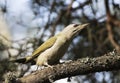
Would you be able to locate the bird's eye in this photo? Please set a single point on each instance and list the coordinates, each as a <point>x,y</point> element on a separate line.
<point>75,25</point>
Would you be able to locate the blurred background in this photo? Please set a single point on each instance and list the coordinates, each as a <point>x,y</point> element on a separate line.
<point>26,24</point>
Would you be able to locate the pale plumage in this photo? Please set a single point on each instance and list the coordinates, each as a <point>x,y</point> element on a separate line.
<point>50,52</point>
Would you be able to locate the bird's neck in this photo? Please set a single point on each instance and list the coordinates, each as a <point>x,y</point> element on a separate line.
<point>67,36</point>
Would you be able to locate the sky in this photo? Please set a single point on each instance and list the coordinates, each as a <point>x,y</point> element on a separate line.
<point>21,18</point>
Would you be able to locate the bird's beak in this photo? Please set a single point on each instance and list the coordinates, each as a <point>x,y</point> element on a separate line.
<point>86,24</point>
<point>83,26</point>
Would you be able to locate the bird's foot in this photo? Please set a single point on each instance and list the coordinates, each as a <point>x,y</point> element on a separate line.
<point>47,65</point>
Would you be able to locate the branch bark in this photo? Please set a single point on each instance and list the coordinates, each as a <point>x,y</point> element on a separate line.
<point>107,62</point>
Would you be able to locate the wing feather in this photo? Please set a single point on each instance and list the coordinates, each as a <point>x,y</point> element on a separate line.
<point>49,43</point>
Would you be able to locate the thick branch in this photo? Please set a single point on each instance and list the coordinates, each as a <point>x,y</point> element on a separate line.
<point>108,62</point>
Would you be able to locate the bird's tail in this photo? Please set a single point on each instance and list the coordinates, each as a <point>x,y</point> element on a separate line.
<point>24,60</point>
<point>21,60</point>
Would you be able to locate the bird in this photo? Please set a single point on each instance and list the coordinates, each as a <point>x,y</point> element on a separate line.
<point>53,49</point>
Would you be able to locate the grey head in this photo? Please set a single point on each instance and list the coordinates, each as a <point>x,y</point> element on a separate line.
<point>71,30</point>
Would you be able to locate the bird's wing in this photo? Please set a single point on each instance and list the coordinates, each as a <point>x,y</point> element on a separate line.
<point>49,43</point>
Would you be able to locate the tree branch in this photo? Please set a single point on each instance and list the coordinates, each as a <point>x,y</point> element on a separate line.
<point>110,18</point>
<point>109,28</point>
<point>108,62</point>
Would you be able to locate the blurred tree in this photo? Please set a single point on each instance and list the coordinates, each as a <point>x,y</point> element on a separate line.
<point>44,18</point>
<point>5,43</point>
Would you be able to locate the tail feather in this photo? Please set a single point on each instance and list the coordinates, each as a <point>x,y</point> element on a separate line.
<point>21,60</point>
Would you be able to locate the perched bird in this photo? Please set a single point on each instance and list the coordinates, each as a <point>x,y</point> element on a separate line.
<point>51,51</point>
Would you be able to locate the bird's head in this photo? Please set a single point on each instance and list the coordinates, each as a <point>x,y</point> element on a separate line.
<point>71,30</point>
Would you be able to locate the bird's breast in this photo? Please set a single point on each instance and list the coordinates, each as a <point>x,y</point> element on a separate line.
<point>58,49</point>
